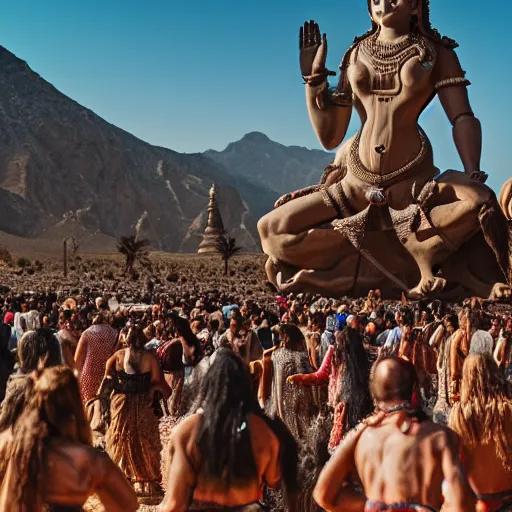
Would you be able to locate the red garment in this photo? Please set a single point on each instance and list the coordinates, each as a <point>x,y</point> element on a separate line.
<point>321,376</point>
<point>375,506</point>
<point>327,374</point>
<point>99,343</point>
<point>494,502</point>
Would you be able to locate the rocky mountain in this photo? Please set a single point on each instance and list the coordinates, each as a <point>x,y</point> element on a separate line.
<point>65,170</point>
<point>270,164</point>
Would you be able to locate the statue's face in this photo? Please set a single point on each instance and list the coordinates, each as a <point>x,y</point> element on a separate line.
<point>391,13</point>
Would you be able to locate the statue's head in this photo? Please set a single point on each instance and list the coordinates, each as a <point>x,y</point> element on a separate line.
<point>391,13</point>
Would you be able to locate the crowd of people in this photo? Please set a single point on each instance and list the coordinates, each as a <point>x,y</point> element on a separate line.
<point>273,403</point>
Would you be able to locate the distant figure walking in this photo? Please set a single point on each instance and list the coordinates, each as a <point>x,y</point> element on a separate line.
<point>96,345</point>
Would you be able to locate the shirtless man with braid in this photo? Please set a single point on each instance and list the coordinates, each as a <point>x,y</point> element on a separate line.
<point>403,461</point>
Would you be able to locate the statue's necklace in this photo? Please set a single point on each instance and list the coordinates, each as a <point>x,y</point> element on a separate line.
<point>387,60</point>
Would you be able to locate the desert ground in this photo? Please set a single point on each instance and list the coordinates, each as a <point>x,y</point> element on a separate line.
<point>100,273</point>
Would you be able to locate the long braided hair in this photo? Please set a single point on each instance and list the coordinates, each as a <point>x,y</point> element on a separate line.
<point>53,408</point>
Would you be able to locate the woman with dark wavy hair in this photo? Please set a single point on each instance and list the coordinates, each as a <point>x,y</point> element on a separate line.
<point>224,455</point>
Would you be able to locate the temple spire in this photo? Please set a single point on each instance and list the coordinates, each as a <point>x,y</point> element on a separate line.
<point>214,228</point>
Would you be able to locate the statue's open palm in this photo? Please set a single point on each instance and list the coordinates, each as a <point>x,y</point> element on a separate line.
<point>313,49</point>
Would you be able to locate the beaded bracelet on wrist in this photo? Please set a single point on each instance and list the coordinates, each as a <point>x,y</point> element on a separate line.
<point>318,78</point>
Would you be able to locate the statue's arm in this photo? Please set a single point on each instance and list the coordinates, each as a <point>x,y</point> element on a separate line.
<point>451,86</point>
<point>330,121</point>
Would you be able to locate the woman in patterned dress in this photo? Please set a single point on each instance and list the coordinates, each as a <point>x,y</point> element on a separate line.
<point>294,405</point>
<point>96,345</point>
<point>133,439</point>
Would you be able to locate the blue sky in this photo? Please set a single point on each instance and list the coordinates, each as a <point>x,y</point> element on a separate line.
<point>197,74</point>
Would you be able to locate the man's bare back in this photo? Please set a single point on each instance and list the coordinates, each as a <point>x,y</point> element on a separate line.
<point>402,462</point>
<point>410,467</point>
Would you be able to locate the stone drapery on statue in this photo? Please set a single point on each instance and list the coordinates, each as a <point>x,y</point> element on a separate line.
<point>384,216</point>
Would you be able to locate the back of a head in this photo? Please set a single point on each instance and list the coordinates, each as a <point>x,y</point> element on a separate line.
<point>59,399</point>
<point>183,327</point>
<point>52,409</point>
<point>38,346</point>
<point>98,319</point>
<point>293,337</point>
<point>136,338</point>
<point>392,379</point>
<point>224,441</point>
<point>481,378</point>
<point>227,384</point>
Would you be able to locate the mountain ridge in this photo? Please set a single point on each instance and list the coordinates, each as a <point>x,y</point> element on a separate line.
<point>264,161</point>
<point>61,160</point>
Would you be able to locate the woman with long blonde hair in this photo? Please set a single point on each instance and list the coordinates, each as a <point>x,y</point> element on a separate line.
<point>483,419</point>
<point>46,458</point>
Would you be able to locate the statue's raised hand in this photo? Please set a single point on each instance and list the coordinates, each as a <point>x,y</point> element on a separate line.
<point>313,49</point>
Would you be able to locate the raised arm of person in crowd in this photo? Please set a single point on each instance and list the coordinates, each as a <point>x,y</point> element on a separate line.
<point>318,378</point>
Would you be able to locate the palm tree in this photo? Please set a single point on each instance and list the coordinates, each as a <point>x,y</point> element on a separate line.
<point>226,247</point>
<point>134,250</point>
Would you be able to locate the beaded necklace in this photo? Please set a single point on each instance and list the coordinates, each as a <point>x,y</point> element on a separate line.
<point>387,60</point>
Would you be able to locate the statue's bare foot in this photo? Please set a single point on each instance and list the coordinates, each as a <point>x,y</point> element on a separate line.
<point>426,286</point>
<point>501,291</point>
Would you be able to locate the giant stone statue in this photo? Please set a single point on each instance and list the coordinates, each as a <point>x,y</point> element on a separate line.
<point>384,216</point>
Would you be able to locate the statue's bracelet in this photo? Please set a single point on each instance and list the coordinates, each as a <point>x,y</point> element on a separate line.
<point>314,81</point>
<point>479,176</point>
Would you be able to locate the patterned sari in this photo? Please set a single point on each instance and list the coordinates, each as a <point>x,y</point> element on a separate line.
<point>133,439</point>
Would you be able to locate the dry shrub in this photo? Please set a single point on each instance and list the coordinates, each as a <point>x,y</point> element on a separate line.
<point>5,255</point>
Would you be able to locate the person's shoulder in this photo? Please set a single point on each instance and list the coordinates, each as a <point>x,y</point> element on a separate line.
<point>186,428</point>
<point>82,455</point>
<point>149,357</point>
<point>261,429</point>
<point>119,354</point>
<point>441,435</point>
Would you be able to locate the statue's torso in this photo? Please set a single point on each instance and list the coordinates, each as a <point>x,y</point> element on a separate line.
<point>390,119</point>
